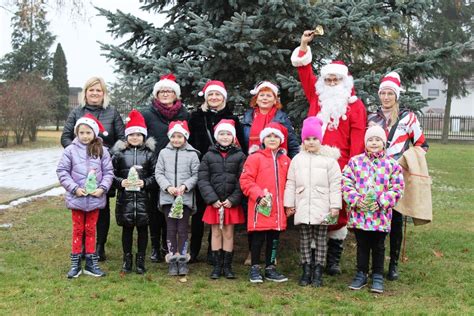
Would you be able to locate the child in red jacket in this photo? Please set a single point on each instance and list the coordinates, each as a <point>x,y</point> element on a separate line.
<point>263,181</point>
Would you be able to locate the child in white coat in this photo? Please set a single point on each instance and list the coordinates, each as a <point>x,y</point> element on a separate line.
<point>313,195</point>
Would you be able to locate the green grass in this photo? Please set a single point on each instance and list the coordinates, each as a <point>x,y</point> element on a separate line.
<point>45,139</point>
<point>437,277</point>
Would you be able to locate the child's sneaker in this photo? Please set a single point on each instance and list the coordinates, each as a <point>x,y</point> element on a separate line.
<point>173,269</point>
<point>76,268</point>
<point>255,276</point>
<point>92,266</point>
<point>272,274</point>
<point>377,283</point>
<point>359,281</point>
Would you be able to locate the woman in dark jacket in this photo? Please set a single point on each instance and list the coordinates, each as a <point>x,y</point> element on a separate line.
<point>201,125</point>
<point>133,206</point>
<point>94,99</point>
<point>166,106</point>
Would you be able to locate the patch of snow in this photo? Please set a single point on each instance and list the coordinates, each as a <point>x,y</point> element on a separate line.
<point>53,192</point>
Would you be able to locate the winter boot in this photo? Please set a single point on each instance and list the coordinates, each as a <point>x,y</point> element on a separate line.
<point>317,276</point>
<point>92,266</point>
<point>127,263</point>
<point>76,268</point>
<point>155,255</point>
<point>392,274</point>
<point>334,256</point>
<point>216,264</point>
<point>140,263</point>
<point>173,268</point>
<point>306,276</point>
<point>359,281</point>
<point>396,238</point>
<point>100,252</point>
<point>227,270</point>
<point>183,268</point>
<point>271,274</point>
<point>377,283</point>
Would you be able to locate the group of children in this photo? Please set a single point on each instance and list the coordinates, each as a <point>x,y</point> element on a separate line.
<point>311,187</point>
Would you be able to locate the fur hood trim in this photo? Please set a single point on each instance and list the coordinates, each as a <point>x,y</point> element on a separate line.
<point>326,151</point>
<point>121,145</point>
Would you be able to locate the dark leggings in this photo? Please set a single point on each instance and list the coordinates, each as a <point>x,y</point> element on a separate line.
<point>273,238</point>
<point>367,242</point>
<point>396,236</point>
<point>177,230</point>
<point>103,223</point>
<point>197,226</point>
<point>157,226</point>
<point>127,239</point>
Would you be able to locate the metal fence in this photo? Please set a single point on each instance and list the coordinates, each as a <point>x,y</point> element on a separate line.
<point>460,127</point>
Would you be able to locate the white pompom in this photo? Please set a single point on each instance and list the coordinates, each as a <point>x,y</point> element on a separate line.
<point>105,133</point>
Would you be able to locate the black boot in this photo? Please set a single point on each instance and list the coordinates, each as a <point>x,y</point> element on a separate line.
<point>76,268</point>
<point>100,252</point>
<point>155,255</point>
<point>392,274</point>
<point>216,264</point>
<point>334,256</point>
<point>306,276</point>
<point>127,263</point>
<point>92,266</point>
<point>227,268</point>
<point>317,276</point>
<point>140,263</point>
<point>396,237</point>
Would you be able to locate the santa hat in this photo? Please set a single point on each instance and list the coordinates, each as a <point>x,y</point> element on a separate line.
<point>213,85</point>
<point>91,121</point>
<point>178,127</point>
<point>377,131</point>
<point>273,128</point>
<point>391,81</point>
<point>264,84</point>
<point>167,81</point>
<point>336,67</point>
<point>135,123</point>
<point>225,125</point>
<point>312,127</point>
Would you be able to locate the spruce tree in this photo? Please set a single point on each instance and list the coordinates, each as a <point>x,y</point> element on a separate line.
<point>61,86</point>
<point>30,41</point>
<point>242,42</point>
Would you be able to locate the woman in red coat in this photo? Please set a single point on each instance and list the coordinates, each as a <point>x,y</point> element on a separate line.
<point>263,181</point>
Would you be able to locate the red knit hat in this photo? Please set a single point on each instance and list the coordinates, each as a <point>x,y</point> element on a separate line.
<point>213,85</point>
<point>135,123</point>
<point>91,121</point>
<point>391,81</point>
<point>178,127</point>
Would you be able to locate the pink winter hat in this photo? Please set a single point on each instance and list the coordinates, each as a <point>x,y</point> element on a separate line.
<point>312,127</point>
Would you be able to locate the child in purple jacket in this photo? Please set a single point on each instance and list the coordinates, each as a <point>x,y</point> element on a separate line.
<point>86,172</point>
<point>372,183</point>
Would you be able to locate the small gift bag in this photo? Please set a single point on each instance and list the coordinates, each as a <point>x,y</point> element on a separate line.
<point>267,209</point>
<point>91,182</point>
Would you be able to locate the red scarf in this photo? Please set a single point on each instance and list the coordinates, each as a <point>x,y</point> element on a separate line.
<point>259,122</point>
<point>168,112</point>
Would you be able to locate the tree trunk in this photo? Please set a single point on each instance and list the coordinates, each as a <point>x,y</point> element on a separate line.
<point>57,123</point>
<point>32,133</point>
<point>447,112</point>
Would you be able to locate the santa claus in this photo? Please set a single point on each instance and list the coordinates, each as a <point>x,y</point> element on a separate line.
<point>332,98</point>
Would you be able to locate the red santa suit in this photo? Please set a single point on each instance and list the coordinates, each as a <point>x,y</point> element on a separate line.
<point>348,134</point>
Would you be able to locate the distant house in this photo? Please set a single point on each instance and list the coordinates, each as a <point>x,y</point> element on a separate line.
<point>435,89</point>
<point>74,96</point>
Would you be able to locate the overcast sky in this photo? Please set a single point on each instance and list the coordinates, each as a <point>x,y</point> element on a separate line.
<point>79,38</point>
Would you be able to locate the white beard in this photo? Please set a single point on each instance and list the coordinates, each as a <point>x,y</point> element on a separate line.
<point>333,102</point>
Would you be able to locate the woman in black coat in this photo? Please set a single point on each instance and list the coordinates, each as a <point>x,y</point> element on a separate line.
<point>94,99</point>
<point>166,107</point>
<point>201,126</point>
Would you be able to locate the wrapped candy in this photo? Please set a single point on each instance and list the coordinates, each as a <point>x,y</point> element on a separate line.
<point>267,209</point>
<point>221,217</point>
<point>371,196</point>
<point>177,208</point>
<point>91,182</point>
<point>133,179</point>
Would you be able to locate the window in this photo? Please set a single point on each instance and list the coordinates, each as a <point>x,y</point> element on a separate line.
<point>433,92</point>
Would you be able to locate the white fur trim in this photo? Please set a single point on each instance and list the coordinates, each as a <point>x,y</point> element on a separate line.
<point>265,84</point>
<point>135,129</point>
<point>215,88</point>
<point>166,83</point>
<point>392,86</point>
<point>352,99</point>
<point>334,69</point>
<point>178,129</point>
<point>339,234</point>
<point>253,149</point>
<point>304,60</point>
<point>89,122</point>
<point>269,130</point>
<point>328,151</point>
<point>224,127</point>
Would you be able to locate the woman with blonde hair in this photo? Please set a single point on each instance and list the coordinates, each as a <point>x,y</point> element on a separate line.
<point>94,99</point>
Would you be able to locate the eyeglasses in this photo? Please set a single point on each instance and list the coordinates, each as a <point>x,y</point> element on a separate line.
<point>331,81</point>
<point>166,92</point>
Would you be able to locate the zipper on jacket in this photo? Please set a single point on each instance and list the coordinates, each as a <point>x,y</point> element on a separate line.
<point>277,188</point>
<point>135,193</point>
<point>310,188</point>
<point>176,168</point>
<point>88,195</point>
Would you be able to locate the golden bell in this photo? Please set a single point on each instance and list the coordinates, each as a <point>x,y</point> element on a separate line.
<point>318,30</point>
